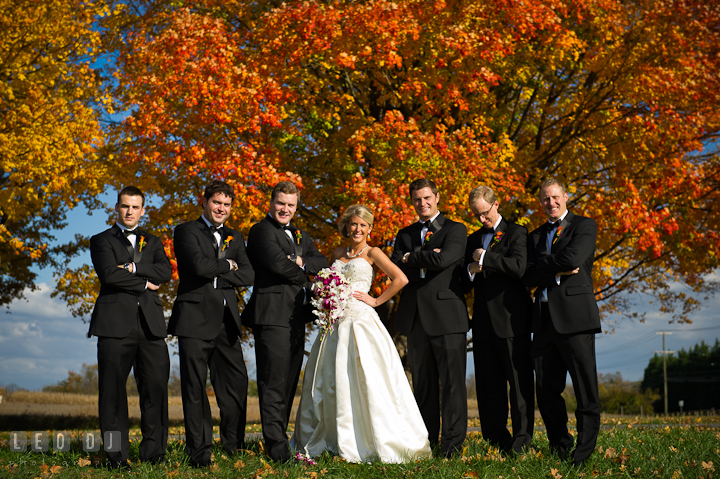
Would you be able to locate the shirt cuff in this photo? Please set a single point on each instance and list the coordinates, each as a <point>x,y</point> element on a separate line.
<point>134,269</point>
<point>470,275</point>
<point>482,257</point>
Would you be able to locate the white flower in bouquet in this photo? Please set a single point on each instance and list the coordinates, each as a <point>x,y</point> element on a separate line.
<point>331,292</point>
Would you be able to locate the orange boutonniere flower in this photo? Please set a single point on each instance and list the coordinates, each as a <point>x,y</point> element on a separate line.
<point>496,239</point>
<point>428,235</point>
<point>226,243</point>
<point>141,244</point>
<point>558,234</point>
<point>298,236</point>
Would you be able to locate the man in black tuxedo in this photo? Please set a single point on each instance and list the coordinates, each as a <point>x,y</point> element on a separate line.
<point>496,258</point>
<point>433,315</point>
<point>565,320</point>
<point>211,263</point>
<point>129,323</point>
<point>282,256</point>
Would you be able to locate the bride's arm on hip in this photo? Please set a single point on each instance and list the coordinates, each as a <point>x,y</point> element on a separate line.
<point>399,280</point>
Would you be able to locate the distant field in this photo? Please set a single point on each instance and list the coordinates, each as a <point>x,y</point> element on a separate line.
<point>50,410</point>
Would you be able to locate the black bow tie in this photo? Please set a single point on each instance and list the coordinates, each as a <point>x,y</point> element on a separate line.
<point>216,229</point>
<point>427,224</point>
<point>129,232</point>
<point>487,231</point>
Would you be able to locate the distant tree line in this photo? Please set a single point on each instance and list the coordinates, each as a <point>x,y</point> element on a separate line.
<point>693,377</point>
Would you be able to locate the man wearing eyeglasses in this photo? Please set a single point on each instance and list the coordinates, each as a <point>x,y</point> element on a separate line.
<point>495,258</point>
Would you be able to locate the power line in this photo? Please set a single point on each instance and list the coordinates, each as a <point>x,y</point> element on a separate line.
<point>635,342</point>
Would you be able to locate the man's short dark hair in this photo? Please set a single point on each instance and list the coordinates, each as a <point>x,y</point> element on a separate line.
<point>423,183</point>
<point>217,186</point>
<point>285,187</point>
<point>131,191</point>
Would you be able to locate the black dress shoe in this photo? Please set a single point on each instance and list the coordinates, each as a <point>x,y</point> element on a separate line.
<point>122,465</point>
<point>159,459</point>
<point>200,464</point>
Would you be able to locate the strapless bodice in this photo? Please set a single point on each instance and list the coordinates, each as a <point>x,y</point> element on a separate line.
<point>358,273</point>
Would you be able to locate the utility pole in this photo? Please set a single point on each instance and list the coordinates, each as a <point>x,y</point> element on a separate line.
<point>665,352</point>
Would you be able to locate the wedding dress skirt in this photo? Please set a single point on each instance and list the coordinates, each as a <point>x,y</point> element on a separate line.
<point>356,400</point>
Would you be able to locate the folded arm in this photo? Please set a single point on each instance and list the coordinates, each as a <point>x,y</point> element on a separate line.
<point>105,264</point>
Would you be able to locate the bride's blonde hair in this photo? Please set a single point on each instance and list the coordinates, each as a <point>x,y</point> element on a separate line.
<point>361,211</point>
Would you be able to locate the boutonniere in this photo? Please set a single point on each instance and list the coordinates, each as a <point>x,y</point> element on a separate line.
<point>226,243</point>
<point>428,235</point>
<point>298,236</point>
<point>141,244</point>
<point>558,234</point>
<point>496,239</point>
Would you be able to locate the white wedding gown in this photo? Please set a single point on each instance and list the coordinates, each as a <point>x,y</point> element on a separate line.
<point>356,400</point>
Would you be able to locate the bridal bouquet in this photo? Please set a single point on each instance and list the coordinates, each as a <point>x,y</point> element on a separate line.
<point>331,295</point>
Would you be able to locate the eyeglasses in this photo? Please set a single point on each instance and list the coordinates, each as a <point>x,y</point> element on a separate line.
<point>484,214</point>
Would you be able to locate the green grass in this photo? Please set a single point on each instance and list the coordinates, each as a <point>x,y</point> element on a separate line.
<point>675,451</point>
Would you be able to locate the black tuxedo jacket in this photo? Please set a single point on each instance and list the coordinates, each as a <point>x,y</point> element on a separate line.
<point>122,292</point>
<point>502,303</point>
<point>438,299</point>
<point>278,290</point>
<point>199,306</point>
<point>572,304</point>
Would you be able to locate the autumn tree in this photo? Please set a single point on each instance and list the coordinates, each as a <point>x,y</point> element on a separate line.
<point>354,100</point>
<point>50,129</point>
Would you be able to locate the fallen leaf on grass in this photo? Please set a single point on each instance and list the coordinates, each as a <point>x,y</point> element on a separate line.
<point>82,462</point>
<point>708,466</point>
<point>470,474</point>
<point>673,448</point>
<point>555,473</point>
<point>239,464</point>
<point>610,453</point>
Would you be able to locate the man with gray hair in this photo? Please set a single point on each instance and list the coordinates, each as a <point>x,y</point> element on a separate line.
<point>495,259</point>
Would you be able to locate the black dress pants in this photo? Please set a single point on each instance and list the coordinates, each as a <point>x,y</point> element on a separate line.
<point>279,352</point>
<point>555,355</point>
<point>148,356</point>
<point>438,365</point>
<point>499,362</point>
<point>228,375</point>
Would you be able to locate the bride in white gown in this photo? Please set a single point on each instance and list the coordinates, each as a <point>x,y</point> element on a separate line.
<point>356,400</point>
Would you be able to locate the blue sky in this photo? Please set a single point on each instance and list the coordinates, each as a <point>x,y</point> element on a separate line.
<point>40,341</point>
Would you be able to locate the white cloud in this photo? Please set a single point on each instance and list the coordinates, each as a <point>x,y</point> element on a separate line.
<point>40,341</point>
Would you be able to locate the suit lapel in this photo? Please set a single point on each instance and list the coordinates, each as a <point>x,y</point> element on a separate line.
<point>296,240</point>
<point>124,241</point>
<point>415,240</point>
<point>435,227</point>
<point>562,232</point>
<point>140,244</point>
<point>222,249</point>
<point>542,243</point>
<point>282,235</point>
<point>497,237</point>
<point>205,230</point>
